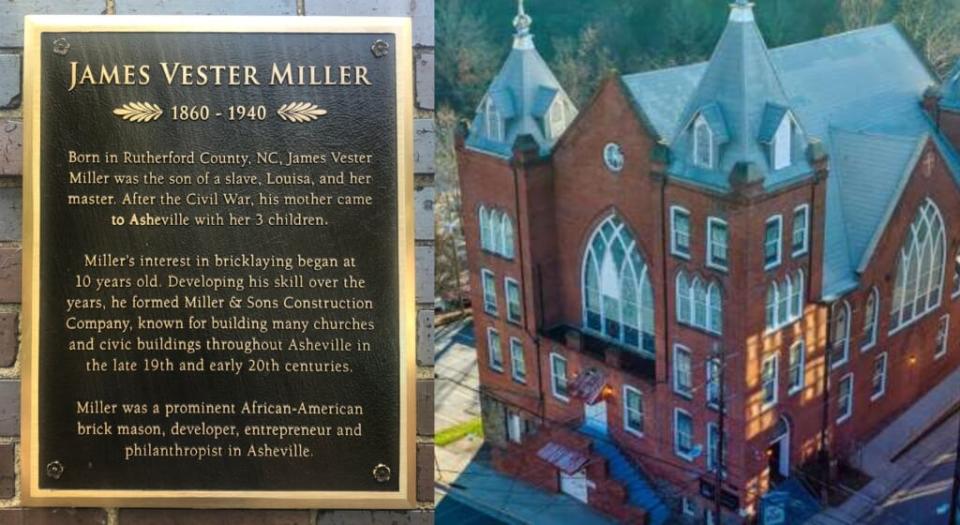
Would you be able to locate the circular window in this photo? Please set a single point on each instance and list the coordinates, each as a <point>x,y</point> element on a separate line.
<point>613,156</point>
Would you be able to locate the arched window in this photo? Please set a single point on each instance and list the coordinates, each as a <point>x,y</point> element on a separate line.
<point>840,326</point>
<point>702,143</point>
<point>784,303</point>
<point>699,293</point>
<point>714,309</point>
<point>484,228</point>
<point>507,237</point>
<point>683,298</point>
<point>920,272</point>
<point>617,294</point>
<point>796,295</point>
<point>870,316</point>
<point>493,122</point>
<point>771,306</point>
<point>496,231</point>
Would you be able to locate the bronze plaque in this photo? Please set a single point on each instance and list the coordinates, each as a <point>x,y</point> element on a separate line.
<point>218,283</point>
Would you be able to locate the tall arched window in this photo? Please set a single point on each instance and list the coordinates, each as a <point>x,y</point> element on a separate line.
<point>699,293</point>
<point>714,309</point>
<point>702,143</point>
<point>507,237</point>
<point>683,298</point>
<point>496,231</point>
<point>920,271</point>
<point>840,326</point>
<point>870,319</point>
<point>484,228</point>
<point>617,295</point>
<point>699,303</point>
<point>493,122</point>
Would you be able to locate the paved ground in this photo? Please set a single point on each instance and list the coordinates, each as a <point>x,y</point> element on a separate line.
<point>453,511</point>
<point>456,371</point>
<point>927,499</point>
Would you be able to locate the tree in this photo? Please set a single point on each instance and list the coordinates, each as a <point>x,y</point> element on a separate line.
<point>450,257</point>
<point>581,64</point>
<point>467,60</point>
<point>934,26</point>
<point>855,14</point>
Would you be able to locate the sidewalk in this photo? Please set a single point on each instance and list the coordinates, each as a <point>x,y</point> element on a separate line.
<point>889,477</point>
<point>505,498</point>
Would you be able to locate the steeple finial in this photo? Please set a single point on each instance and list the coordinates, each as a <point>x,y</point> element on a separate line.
<point>741,11</point>
<point>522,39</point>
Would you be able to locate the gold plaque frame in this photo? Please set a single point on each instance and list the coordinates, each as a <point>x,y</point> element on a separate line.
<point>31,493</point>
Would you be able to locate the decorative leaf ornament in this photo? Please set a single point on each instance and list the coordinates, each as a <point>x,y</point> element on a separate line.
<point>139,112</point>
<point>300,112</point>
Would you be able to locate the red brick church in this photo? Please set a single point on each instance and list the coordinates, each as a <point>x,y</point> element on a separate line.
<point>764,242</point>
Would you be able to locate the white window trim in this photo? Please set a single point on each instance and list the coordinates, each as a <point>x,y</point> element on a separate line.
<point>490,332</point>
<point>553,382</point>
<point>846,343</point>
<point>776,143</point>
<point>875,328</point>
<point>673,229</point>
<point>676,387</point>
<point>709,379</point>
<point>513,416</point>
<point>697,123</point>
<point>513,361</point>
<point>843,417</point>
<point>942,351</point>
<point>689,508</point>
<point>626,427</point>
<point>776,382</point>
<point>713,427</point>
<point>942,277</point>
<point>507,281</point>
<point>806,231</point>
<point>794,389</point>
<point>773,264</point>
<point>710,263</point>
<point>487,307</point>
<point>558,106</point>
<point>886,373</point>
<point>676,428</point>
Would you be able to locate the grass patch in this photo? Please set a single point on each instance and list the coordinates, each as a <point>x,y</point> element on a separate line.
<point>458,432</point>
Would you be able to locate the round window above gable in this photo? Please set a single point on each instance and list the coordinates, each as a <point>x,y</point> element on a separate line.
<point>613,157</point>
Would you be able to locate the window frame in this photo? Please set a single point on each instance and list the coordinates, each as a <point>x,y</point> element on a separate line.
<point>847,378</point>
<point>846,341</point>
<point>627,390</point>
<point>698,123</point>
<point>883,377</point>
<point>613,167</point>
<point>674,211</point>
<point>801,365</point>
<point>556,126</point>
<point>507,282</point>
<point>515,343</point>
<point>899,303</point>
<point>488,307</point>
<point>767,405</point>
<point>688,456</point>
<point>492,115</point>
<point>553,377</point>
<point>778,145</point>
<point>806,231</point>
<point>511,417</point>
<point>491,333</point>
<point>709,365</point>
<point>725,266</point>
<point>681,349</point>
<point>871,326</point>
<point>942,345</point>
<point>778,219</point>
<point>712,462</point>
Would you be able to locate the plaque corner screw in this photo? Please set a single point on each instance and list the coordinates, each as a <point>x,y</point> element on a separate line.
<point>55,469</point>
<point>381,473</point>
<point>61,46</point>
<point>380,49</point>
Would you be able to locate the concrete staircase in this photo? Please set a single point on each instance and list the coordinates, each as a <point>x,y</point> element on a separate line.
<point>640,491</point>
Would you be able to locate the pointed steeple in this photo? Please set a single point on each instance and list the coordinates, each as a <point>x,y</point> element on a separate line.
<point>738,110</point>
<point>523,99</point>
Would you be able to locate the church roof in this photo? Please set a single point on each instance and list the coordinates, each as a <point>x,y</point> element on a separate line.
<point>523,92</point>
<point>859,93</point>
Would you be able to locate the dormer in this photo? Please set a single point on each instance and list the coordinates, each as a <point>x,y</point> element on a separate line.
<point>779,131</point>
<point>553,110</point>
<point>708,132</point>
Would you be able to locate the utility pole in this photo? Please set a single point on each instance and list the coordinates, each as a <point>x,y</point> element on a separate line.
<point>718,350</point>
<point>825,416</point>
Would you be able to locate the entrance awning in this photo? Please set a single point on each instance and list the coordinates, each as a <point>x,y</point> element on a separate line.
<point>569,461</point>
<point>588,386</point>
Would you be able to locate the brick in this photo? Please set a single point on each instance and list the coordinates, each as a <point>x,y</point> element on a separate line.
<point>11,216</point>
<point>424,144</point>
<point>420,10</point>
<point>425,407</point>
<point>371,517</point>
<point>425,347</point>
<point>9,408</point>
<point>53,516</point>
<point>424,264</point>
<point>425,463</point>
<point>8,339</point>
<point>8,470</point>
<point>11,147</point>
<point>213,517</point>
<point>423,199</point>
<point>9,275</point>
<point>12,13</point>
<point>192,7</point>
<point>425,79</point>
<point>9,80</point>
